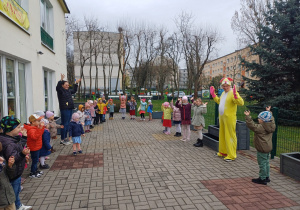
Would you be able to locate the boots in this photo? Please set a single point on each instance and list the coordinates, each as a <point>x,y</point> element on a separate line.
<point>179,134</point>
<point>199,143</point>
<point>176,134</point>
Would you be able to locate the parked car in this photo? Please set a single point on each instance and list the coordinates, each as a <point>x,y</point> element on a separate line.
<point>199,94</point>
<point>154,93</point>
<point>181,94</point>
<point>117,92</point>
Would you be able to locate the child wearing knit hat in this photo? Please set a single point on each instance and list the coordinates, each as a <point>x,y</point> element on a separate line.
<point>53,129</point>
<point>75,133</point>
<point>143,108</point>
<point>149,109</point>
<point>185,109</point>
<point>263,133</point>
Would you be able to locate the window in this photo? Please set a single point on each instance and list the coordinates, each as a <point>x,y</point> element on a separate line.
<point>228,60</point>
<point>48,86</point>
<point>47,23</point>
<point>10,82</point>
<point>22,92</point>
<point>23,4</point>
<point>253,61</point>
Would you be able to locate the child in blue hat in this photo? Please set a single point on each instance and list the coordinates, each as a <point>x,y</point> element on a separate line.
<point>263,132</point>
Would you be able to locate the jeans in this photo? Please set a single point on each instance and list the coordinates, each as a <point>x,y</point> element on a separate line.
<point>16,184</point>
<point>35,159</point>
<point>264,165</point>
<point>66,115</point>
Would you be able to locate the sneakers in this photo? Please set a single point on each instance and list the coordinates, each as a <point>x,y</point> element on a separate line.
<point>80,151</point>
<point>66,143</point>
<point>176,134</point>
<point>267,179</point>
<point>34,175</point>
<point>46,166</point>
<point>228,160</point>
<point>91,127</point>
<point>260,181</point>
<point>167,133</point>
<point>23,207</point>
<point>40,172</point>
<point>75,153</point>
<point>183,139</point>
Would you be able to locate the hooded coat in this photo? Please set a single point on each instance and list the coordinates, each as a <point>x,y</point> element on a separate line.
<point>13,146</point>
<point>262,134</point>
<point>34,137</point>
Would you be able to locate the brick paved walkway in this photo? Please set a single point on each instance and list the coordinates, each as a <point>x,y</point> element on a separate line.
<point>131,165</point>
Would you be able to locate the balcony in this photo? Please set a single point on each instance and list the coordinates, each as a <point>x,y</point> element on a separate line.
<point>46,39</point>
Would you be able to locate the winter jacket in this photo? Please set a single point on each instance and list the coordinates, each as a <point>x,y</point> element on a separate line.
<point>123,102</point>
<point>262,134</point>
<point>185,110</point>
<point>46,144</point>
<point>198,118</point>
<point>101,107</point>
<point>65,96</point>
<point>92,108</point>
<point>81,116</point>
<point>34,137</point>
<point>111,108</point>
<point>13,146</point>
<point>7,194</point>
<point>75,129</point>
<point>53,128</point>
<point>176,113</point>
<point>88,116</point>
<point>143,106</point>
<point>167,112</point>
<point>132,105</point>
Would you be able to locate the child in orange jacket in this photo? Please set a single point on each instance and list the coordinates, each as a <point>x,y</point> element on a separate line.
<point>35,132</point>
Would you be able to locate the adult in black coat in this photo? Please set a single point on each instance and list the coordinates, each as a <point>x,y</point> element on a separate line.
<point>66,105</point>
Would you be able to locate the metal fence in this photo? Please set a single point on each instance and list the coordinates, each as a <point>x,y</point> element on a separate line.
<point>286,138</point>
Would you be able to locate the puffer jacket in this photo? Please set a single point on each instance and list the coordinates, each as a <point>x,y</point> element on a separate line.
<point>34,137</point>
<point>123,100</point>
<point>65,96</point>
<point>262,134</point>
<point>185,110</point>
<point>46,144</point>
<point>75,129</point>
<point>167,112</point>
<point>13,146</point>
<point>198,118</point>
<point>7,194</point>
<point>101,106</point>
<point>53,128</point>
<point>176,113</point>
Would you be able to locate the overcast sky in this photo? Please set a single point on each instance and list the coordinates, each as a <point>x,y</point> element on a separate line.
<point>216,13</point>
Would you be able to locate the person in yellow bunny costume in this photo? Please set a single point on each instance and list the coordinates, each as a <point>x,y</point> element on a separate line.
<point>228,103</point>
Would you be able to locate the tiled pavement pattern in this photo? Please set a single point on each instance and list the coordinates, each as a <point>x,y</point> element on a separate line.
<point>140,171</point>
<point>240,193</point>
<point>91,160</point>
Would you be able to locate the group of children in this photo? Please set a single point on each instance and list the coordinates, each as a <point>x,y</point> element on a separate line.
<point>182,117</point>
<point>16,143</point>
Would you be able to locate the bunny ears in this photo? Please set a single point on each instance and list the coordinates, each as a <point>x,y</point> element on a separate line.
<point>226,81</point>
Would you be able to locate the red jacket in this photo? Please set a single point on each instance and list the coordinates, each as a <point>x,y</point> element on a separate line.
<point>34,137</point>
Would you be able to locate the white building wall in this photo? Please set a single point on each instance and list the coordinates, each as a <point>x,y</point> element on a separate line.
<point>17,43</point>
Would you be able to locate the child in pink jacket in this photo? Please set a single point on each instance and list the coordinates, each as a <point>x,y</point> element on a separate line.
<point>176,119</point>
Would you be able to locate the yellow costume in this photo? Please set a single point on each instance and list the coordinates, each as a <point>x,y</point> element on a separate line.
<point>227,119</point>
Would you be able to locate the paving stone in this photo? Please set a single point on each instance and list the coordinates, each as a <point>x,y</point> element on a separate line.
<point>130,164</point>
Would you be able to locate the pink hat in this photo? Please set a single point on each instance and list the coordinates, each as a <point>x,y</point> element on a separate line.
<point>143,99</point>
<point>49,114</point>
<point>184,98</point>
<point>166,104</point>
<point>75,116</point>
<point>123,97</point>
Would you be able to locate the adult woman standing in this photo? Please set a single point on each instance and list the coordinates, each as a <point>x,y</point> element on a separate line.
<point>66,105</point>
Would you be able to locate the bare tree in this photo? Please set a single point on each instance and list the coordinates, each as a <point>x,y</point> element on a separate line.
<point>70,25</point>
<point>174,52</point>
<point>247,21</point>
<point>81,42</point>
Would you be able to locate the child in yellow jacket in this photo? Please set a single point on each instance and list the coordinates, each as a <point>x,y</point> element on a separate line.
<point>100,110</point>
<point>167,122</point>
